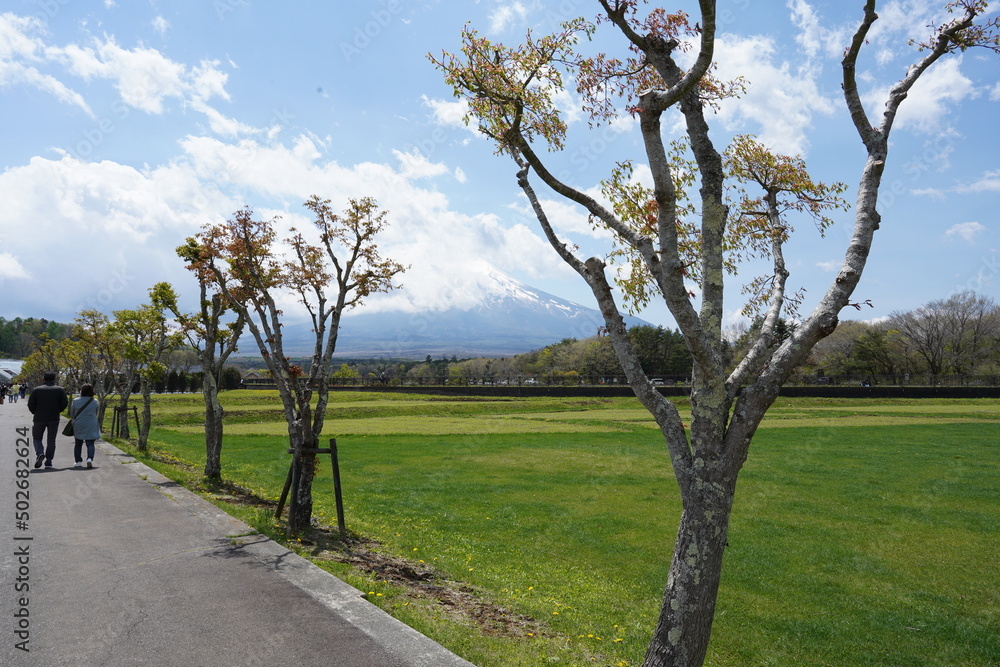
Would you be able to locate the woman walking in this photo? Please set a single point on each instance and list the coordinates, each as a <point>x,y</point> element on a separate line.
<point>86,428</point>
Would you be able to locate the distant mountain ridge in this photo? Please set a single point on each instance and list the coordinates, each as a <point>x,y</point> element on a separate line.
<point>509,318</point>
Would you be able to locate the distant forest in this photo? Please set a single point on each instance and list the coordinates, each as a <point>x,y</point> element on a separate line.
<point>20,337</point>
<point>957,337</point>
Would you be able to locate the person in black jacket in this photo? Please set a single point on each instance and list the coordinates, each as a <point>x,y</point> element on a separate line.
<point>46,402</point>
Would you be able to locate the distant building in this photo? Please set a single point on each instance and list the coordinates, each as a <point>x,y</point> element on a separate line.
<point>10,369</point>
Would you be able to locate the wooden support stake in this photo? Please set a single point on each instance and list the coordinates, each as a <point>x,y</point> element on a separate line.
<point>284,493</point>
<point>291,483</point>
<point>337,494</point>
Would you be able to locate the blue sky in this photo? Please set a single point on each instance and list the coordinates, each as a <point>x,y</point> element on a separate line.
<point>128,125</point>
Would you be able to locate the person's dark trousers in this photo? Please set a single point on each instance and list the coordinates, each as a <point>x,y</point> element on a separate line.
<point>78,450</point>
<point>37,431</point>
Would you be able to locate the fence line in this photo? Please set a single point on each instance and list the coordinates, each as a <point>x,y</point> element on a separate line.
<point>557,380</point>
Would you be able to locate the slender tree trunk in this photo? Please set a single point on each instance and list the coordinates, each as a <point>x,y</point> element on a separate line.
<point>213,427</point>
<point>685,623</point>
<point>123,431</point>
<point>147,416</point>
<point>304,500</point>
<point>102,409</point>
<point>304,433</point>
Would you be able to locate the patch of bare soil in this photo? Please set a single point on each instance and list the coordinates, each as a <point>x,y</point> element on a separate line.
<point>419,581</point>
<point>457,598</point>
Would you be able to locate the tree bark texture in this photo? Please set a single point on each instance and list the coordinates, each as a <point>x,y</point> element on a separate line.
<point>147,416</point>
<point>213,427</point>
<point>304,498</point>
<point>685,623</point>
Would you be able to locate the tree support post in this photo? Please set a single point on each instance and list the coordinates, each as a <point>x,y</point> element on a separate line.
<point>119,418</point>
<point>291,484</point>
<point>337,489</point>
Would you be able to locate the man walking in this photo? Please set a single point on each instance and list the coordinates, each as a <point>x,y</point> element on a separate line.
<point>46,402</point>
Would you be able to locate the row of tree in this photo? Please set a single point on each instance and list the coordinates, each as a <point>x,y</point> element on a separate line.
<point>118,355</point>
<point>662,353</point>
<point>243,272</point>
<point>20,337</point>
<point>959,335</point>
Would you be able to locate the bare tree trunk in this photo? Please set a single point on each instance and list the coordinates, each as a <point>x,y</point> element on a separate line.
<point>304,500</point>
<point>685,623</point>
<point>213,427</point>
<point>123,432</point>
<point>147,415</point>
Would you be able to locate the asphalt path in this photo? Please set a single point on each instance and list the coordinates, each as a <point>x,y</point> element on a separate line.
<point>118,565</point>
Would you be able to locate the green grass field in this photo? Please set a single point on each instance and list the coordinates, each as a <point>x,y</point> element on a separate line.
<point>863,533</point>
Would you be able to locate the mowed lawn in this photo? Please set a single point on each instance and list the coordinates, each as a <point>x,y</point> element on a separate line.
<point>863,532</point>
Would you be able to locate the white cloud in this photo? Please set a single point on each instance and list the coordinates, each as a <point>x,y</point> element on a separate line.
<point>161,25</point>
<point>567,105</point>
<point>11,267</point>
<point>416,165</point>
<point>111,228</point>
<point>929,102</point>
<point>460,175</point>
<point>144,78</point>
<point>100,233</point>
<point>506,14</point>
<point>884,56</point>
<point>815,37</point>
<point>967,231</point>
<point>21,53</point>
<point>449,114</point>
<point>988,182</point>
<point>829,266</point>
<point>442,245</point>
<point>995,93</point>
<point>935,193</point>
<point>565,216</point>
<point>903,20</point>
<point>781,99</point>
<point>220,123</point>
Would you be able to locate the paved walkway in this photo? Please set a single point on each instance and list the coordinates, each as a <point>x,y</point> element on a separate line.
<point>120,566</point>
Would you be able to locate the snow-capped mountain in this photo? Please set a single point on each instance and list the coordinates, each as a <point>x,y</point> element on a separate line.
<point>507,318</point>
